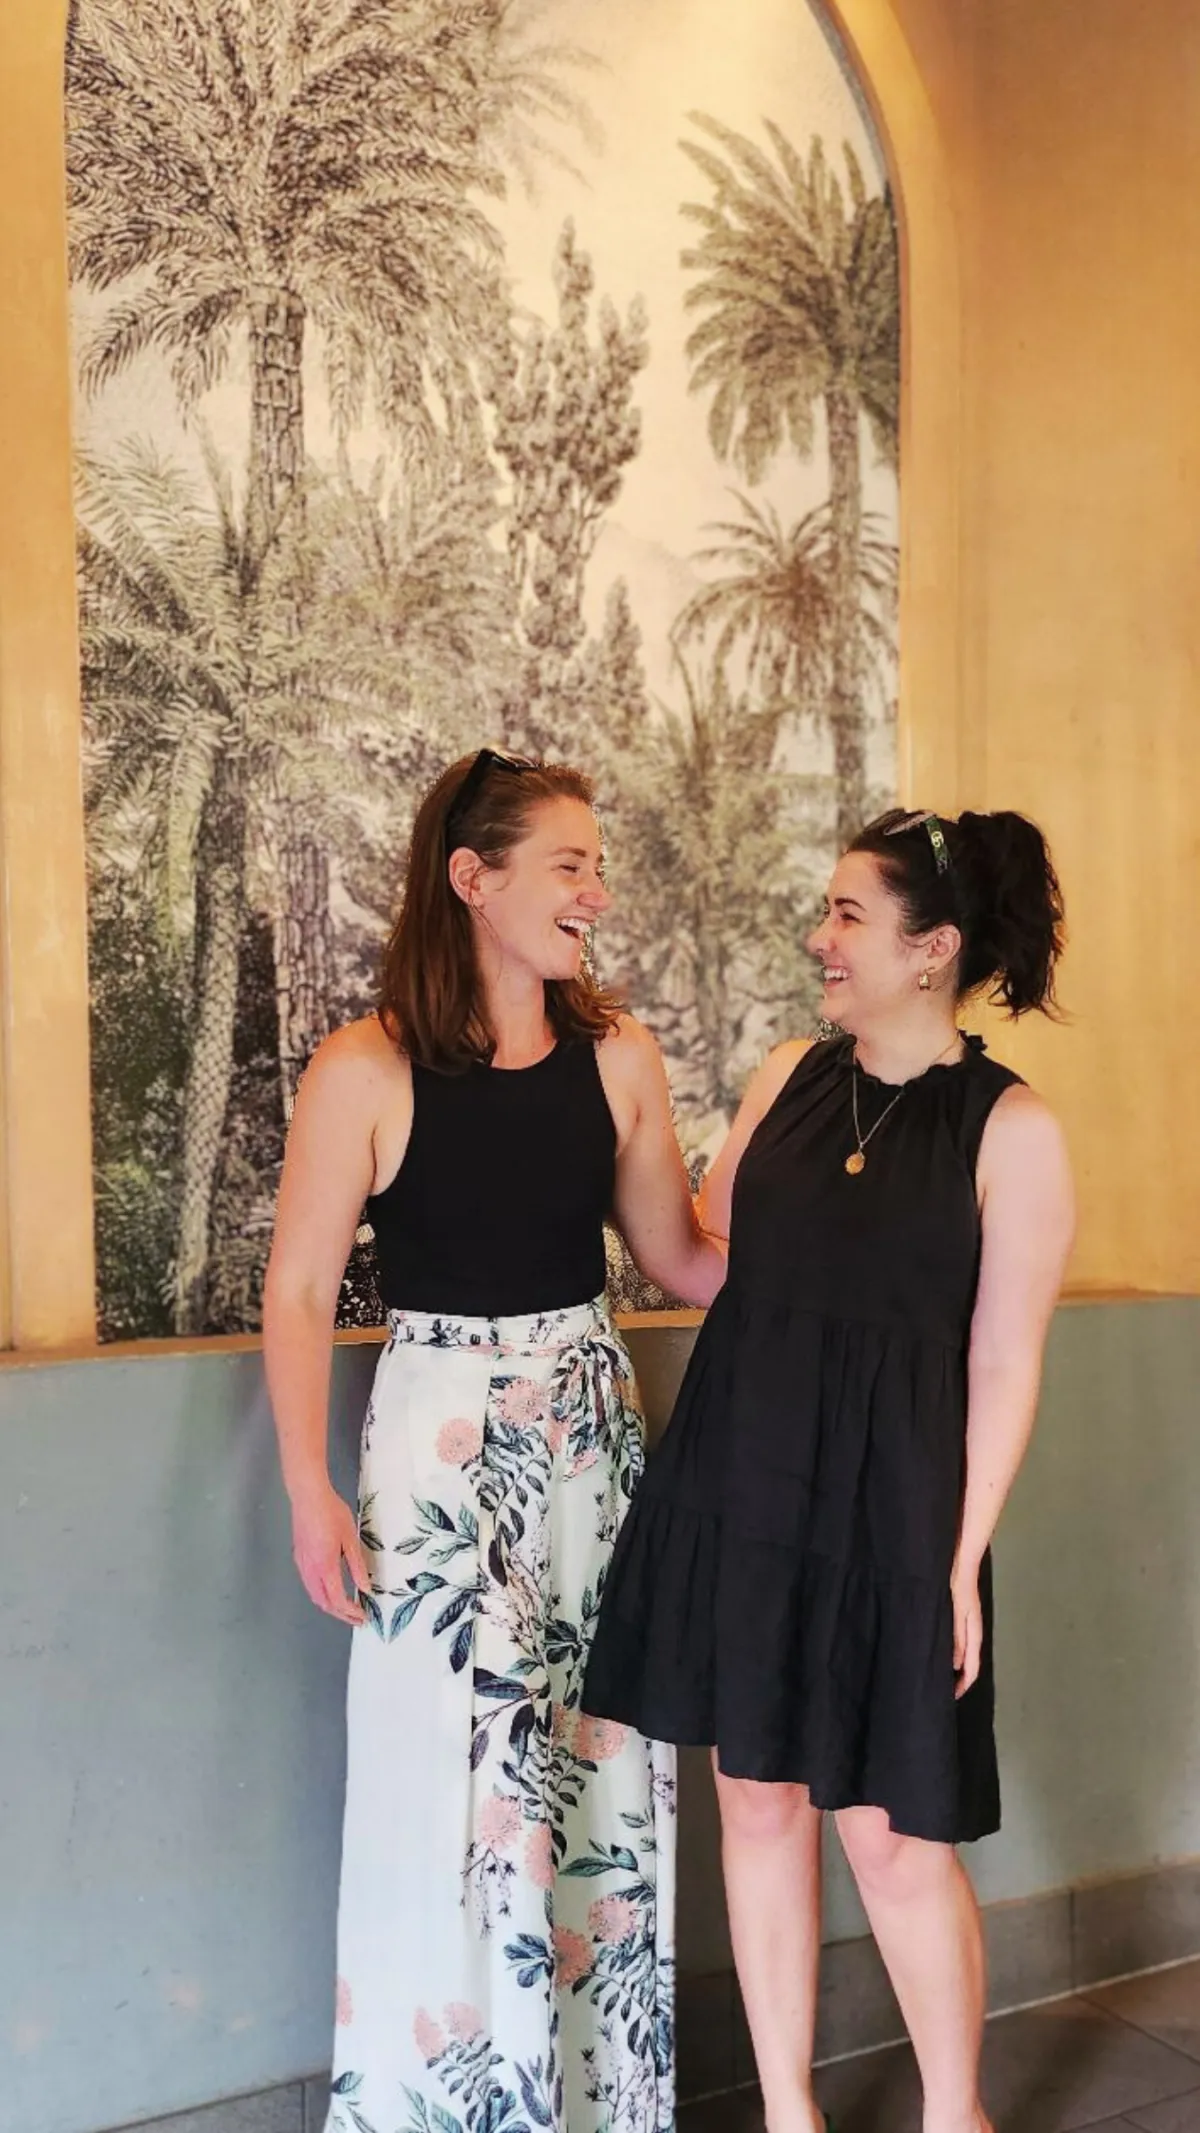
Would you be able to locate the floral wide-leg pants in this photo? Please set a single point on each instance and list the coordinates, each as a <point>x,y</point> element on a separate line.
<point>505,1951</point>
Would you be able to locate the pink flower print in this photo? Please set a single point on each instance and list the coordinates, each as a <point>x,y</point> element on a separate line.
<point>499,1822</point>
<point>520,1401</point>
<point>459,1442</point>
<point>572,1956</point>
<point>599,1740</point>
<point>556,1434</point>
<point>343,2005</point>
<point>585,1460</point>
<point>562,1727</point>
<point>613,1919</point>
<point>539,1857</point>
<point>464,2023</point>
<point>428,2037</point>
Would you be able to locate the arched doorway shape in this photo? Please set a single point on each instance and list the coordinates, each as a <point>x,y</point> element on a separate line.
<point>936,754</point>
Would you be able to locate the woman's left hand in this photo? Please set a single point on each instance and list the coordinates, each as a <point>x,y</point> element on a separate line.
<point>968,1627</point>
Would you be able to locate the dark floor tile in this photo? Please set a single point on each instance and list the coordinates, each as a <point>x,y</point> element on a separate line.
<point>1180,2115</point>
<point>739,2112</point>
<point>270,2111</point>
<point>1165,2003</point>
<point>1055,2069</point>
<point>704,2013</point>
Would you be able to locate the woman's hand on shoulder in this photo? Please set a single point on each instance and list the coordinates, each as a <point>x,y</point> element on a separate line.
<point>765,1084</point>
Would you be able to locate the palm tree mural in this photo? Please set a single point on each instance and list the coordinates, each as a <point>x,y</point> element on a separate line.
<point>195,693</point>
<point>185,688</point>
<point>797,285</point>
<point>289,167</point>
<point>289,216</point>
<point>710,914</point>
<point>777,601</point>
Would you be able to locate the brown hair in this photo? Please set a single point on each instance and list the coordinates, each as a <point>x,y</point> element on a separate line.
<point>429,996</point>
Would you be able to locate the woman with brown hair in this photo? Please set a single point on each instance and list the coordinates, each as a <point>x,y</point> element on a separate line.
<point>505,1946</point>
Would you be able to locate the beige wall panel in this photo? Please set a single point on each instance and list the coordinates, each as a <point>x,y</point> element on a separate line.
<point>1087,486</point>
<point>45,1034</point>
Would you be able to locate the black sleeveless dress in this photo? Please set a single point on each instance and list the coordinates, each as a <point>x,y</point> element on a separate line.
<point>781,1587</point>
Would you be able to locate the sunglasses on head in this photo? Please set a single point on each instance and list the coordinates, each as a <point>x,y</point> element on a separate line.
<point>931,824</point>
<point>486,761</point>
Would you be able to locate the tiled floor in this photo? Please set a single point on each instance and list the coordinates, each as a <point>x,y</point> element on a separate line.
<point>1121,2059</point>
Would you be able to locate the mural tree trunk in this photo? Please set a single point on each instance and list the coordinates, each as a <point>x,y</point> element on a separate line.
<point>847,709</point>
<point>303,927</point>
<point>220,910</point>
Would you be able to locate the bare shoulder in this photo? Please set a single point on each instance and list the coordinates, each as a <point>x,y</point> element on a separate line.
<point>1023,1159</point>
<point>355,1063</point>
<point>1021,1127</point>
<point>628,1037</point>
<point>633,1071</point>
<point>775,1072</point>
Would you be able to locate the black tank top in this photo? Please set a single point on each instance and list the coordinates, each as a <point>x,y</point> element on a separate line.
<point>506,1182</point>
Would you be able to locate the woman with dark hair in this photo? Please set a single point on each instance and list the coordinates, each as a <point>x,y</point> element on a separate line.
<point>504,1933</point>
<point>805,1581</point>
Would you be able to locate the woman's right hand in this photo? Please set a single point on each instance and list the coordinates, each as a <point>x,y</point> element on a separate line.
<point>324,1537</point>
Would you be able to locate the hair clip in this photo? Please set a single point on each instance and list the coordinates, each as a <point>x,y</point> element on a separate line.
<point>932,826</point>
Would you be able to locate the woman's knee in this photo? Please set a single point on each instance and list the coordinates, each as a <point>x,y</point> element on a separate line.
<point>762,1812</point>
<point>886,1863</point>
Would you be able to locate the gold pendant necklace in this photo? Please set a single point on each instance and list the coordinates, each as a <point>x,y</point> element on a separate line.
<point>856,1161</point>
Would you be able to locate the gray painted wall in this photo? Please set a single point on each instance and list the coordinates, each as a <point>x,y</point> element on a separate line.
<point>170,1706</point>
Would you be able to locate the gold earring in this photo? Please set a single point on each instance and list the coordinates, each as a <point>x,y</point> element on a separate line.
<point>924,981</point>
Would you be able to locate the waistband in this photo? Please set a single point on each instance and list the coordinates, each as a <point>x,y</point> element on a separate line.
<point>523,1333</point>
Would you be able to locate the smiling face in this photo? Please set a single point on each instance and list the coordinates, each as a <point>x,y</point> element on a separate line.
<point>872,967</point>
<point>537,908</point>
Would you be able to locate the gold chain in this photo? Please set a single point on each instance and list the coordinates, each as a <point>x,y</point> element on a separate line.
<point>856,1162</point>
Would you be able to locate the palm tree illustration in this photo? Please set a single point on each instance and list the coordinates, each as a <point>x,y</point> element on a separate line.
<point>777,600</point>
<point>186,685</point>
<point>207,719</point>
<point>797,291</point>
<point>708,928</point>
<point>279,170</point>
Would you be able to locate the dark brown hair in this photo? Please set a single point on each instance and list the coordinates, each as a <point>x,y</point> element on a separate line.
<point>430,999</point>
<point>996,883</point>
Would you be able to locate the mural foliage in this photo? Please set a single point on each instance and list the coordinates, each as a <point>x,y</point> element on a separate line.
<point>374,465</point>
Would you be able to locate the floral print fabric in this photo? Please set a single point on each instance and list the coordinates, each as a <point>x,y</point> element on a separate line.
<point>505,1948</point>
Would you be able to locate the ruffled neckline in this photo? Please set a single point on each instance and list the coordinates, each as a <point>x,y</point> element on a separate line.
<point>975,1049</point>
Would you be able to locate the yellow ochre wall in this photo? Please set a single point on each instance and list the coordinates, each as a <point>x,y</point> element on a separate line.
<point>1047,161</point>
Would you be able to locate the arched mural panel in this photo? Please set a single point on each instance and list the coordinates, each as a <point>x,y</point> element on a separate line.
<point>448,374</point>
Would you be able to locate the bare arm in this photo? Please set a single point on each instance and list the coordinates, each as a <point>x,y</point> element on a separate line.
<point>652,1205</point>
<point>328,1172</point>
<point>716,1193</point>
<point>1028,1212</point>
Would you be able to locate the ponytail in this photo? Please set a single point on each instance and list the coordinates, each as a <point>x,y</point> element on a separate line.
<point>992,877</point>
